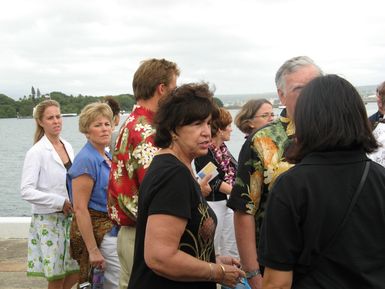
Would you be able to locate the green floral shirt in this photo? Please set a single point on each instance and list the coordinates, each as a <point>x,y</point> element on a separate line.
<point>261,161</point>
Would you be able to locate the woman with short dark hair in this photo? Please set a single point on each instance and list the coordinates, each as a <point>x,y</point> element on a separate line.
<point>323,213</point>
<point>175,225</point>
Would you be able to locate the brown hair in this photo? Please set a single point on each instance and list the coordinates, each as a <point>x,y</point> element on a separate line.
<point>247,113</point>
<point>185,105</point>
<point>114,105</point>
<point>221,122</point>
<point>38,113</point>
<point>341,122</point>
<point>150,74</point>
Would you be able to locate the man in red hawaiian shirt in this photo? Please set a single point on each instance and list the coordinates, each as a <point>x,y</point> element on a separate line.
<point>134,150</point>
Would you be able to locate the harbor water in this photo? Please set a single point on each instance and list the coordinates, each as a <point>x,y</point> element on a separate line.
<point>16,137</point>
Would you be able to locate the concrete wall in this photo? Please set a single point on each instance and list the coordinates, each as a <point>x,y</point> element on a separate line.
<point>14,227</point>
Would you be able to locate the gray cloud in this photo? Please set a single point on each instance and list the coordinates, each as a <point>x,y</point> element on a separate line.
<point>94,47</point>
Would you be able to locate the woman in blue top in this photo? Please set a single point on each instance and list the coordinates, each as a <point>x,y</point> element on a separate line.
<point>93,237</point>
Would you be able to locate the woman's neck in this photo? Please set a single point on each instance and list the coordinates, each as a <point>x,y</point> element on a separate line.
<point>100,148</point>
<point>217,141</point>
<point>54,139</point>
<point>180,156</point>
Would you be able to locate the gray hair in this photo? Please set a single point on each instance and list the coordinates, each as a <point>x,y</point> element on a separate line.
<point>292,65</point>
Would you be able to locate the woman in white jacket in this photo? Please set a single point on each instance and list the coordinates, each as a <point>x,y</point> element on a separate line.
<point>43,184</point>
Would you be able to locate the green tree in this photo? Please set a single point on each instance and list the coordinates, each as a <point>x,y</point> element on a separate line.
<point>33,93</point>
<point>5,100</point>
<point>7,111</point>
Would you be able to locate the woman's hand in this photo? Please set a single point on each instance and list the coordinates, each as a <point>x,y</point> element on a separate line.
<point>228,260</point>
<point>96,258</point>
<point>228,275</point>
<point>205,186</point>
<point>67,208</point>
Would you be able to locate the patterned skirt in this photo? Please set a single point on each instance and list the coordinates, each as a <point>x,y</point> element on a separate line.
<point>49,247</point>
<point>101,224</point>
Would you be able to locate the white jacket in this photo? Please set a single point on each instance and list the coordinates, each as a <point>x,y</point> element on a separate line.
<point>43,182</point>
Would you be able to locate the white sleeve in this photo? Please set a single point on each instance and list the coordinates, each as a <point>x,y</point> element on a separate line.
<point>29,181</point>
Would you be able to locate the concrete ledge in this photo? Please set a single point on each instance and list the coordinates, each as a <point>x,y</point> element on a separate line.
<point>14,227</point>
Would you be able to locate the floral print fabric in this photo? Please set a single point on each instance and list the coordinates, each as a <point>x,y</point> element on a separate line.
<point>133,154</point>
<point>223,157</point>
<point>49,247</point>
<point>261,161</point>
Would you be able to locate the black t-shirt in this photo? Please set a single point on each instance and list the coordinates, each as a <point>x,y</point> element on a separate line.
<point>169,188</point>
<point>305,208</point>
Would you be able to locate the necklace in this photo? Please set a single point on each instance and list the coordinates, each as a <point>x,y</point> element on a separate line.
<point>183,161</point>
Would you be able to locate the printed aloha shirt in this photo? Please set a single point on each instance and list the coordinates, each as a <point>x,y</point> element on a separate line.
<point>132,156</point>
<point>261,161</point>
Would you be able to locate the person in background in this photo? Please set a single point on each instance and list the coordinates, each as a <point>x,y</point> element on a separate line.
<point>378,126</point>
<point>316,233</point>
<point>153,80</point>
<point>253,115</point>
<point>221,185</point>
<point>175,225</point>
<point>115,107</point>
<point>380,94</point>
<point>261,160</point>
<point>93,235</point>
<point>43,184</point>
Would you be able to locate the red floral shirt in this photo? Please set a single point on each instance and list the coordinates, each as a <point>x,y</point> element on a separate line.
<point>133,154</point>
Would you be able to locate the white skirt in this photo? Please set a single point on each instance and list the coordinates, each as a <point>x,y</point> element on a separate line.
<point>49,247</point>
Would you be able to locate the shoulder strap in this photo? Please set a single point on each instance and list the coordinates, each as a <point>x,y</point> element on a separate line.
<point>349,210</point>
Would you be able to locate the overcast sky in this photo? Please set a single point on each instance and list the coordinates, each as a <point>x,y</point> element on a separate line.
<point>94,47</point>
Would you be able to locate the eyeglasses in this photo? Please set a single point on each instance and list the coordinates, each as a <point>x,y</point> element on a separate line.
<point>266,115</point>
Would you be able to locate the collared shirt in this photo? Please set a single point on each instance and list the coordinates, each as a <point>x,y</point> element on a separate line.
<point>261,161</point>
<point>305,210</point>
<point>89,161</point>
<point>43,182</point>
<point>375,119</point>
<point>133,154</point>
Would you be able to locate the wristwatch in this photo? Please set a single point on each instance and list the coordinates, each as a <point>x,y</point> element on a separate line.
<point>251,274</point>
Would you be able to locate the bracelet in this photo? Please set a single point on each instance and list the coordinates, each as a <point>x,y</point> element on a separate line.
<point>223,272</point>
<point>251,274</point>
<point>211,278</point>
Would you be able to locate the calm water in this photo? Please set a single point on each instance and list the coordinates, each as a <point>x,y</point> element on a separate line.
<point>16,137</point>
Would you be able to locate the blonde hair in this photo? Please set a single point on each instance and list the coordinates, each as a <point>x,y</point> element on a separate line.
<point>91,112</point>
<point>38,113</point>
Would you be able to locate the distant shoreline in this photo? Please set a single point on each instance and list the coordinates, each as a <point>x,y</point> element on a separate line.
<point>275,105</point>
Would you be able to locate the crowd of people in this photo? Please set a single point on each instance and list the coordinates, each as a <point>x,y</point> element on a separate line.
<point>302,206</point>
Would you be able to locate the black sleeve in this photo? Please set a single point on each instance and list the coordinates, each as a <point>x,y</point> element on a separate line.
<point>239,197</point>
<point>174,196</point>
<point>281,241</point>
<point>375,117</point>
